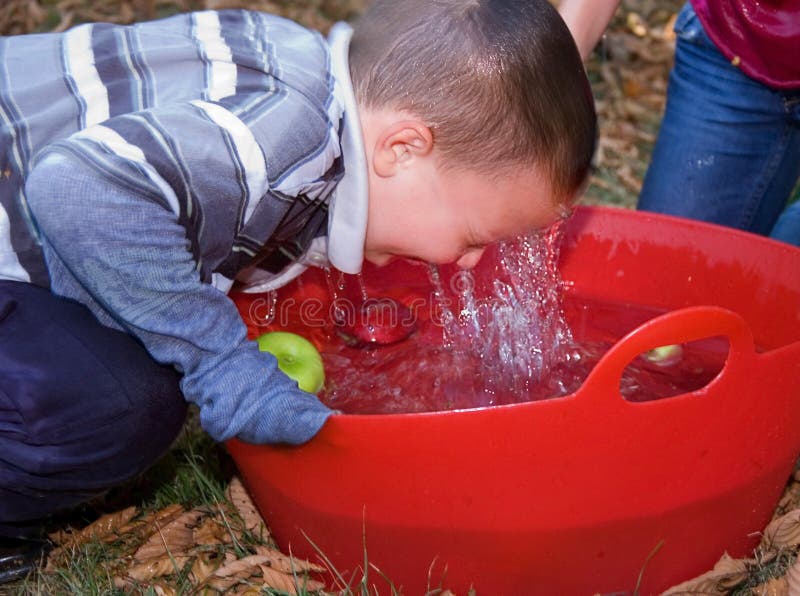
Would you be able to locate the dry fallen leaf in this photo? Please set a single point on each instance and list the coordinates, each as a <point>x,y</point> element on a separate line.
<point>224,584</point>
<point>97,530</point>
<point>793,577</point>
<point>784,531</point>
<point>145,526</point>
<point>172,538</point>
<point>238,495</point>
<point>154,568</point>
<point>278,580</point>
<point>246,590</point>
<point>162,590</point>
<point>636,24</point>
<point>632,87</point>
<point>789,500</point>
<point>245,565</point>
<point>277,560</point>
<point>203,567</point>
<point>210,531</point>
<point>287,582</point>
<point>727,573</point>
<point>778,586</point>
<point>668,31</point>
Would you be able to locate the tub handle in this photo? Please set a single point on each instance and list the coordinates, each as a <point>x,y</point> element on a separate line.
<point>675,327</point>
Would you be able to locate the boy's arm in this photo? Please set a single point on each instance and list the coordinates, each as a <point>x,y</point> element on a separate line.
<point>115,242</point>
<point>587,20</point>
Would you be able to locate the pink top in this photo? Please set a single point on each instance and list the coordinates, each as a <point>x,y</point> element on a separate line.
<point>762,37</point>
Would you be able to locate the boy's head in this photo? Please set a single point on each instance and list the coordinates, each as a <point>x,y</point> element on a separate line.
<point>478,122</point>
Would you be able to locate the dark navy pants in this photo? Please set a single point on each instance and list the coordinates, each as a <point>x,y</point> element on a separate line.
<point>82,407</point>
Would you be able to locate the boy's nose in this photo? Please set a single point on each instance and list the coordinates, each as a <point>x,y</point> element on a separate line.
<point>470,258</point>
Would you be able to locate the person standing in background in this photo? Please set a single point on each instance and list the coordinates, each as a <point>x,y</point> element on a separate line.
<point>728,149</point>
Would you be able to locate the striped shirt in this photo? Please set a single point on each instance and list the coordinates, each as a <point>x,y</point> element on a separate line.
<point>144,167</point>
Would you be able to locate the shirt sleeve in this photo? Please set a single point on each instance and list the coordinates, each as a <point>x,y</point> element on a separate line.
<point>115,237</point>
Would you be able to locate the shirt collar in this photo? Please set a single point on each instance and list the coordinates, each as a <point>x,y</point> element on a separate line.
<point>347,219</point>
<point>347,206</point>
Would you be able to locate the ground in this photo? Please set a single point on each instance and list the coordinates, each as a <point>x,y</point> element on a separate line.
<point>227,548</point>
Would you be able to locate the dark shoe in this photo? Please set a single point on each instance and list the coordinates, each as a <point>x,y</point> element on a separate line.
<point>19,557</point>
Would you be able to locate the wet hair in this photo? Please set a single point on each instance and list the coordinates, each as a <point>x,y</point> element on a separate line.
<point>499,82</point>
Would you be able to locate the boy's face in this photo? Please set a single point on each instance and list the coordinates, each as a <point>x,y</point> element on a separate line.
<point>419,210</point>
<point>452,217</point>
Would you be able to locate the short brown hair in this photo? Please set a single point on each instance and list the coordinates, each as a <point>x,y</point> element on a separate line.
<point>499,82</point>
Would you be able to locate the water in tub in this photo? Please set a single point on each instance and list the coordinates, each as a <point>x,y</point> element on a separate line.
<point>512,345</point>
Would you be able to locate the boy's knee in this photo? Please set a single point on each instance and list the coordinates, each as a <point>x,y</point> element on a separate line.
<point>82,407</point>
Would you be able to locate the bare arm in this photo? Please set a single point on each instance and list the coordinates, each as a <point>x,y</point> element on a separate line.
<point>587,20</point>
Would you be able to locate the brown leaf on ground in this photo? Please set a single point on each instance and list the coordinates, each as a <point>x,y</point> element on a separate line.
<point>238,495</point>
<point>783,532</point>
<point>245,590</point>
<point>778,586</point>
<point>278,580</point>
<point>211,531</point>
<point>21,16</point>
<point>170,539</point>
<point>790,499</point>
<point>727,573</point>
<point>243,567</point>
<point>274,570</point>
<point>793,577</point>
<point>636,24</point>
<point>203,567</point>
<point>285,563</point>
<point>667,32</point>
<point>145,526</point>
<point>97,530</point>
<point>632,87</point>
<point>224,584</point>
<point>153,568</point>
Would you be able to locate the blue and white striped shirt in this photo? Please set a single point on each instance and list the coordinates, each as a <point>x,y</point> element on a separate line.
<point>143,167</point>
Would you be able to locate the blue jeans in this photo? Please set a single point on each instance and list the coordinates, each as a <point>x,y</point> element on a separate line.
<point>728,150</point>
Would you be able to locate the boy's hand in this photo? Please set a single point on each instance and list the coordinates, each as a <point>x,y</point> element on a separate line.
<point>291,417</point>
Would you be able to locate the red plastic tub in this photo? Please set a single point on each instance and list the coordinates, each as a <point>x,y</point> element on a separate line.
<point>580,494</point>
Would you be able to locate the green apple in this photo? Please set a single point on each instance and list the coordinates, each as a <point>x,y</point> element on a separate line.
<point>664,355</point>
<point>297,357</point>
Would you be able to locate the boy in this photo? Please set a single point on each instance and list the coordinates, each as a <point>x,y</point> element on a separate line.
<point>148,168</point>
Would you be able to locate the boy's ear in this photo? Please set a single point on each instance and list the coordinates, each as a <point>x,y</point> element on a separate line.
<point>399,143</point>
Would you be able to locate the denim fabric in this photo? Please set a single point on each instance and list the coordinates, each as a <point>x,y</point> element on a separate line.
<point>728,151</point>
<point>82,407</point>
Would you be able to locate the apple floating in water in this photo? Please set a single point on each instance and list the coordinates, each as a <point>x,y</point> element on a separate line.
<point>664,355</point>
<point>297,357</point>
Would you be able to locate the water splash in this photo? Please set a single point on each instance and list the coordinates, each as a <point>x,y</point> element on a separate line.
<point>504,339</point>
<point>443,314</point>
<point>517,330</point>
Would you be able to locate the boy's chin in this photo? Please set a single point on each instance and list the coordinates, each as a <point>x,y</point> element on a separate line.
<point>379,260</point>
